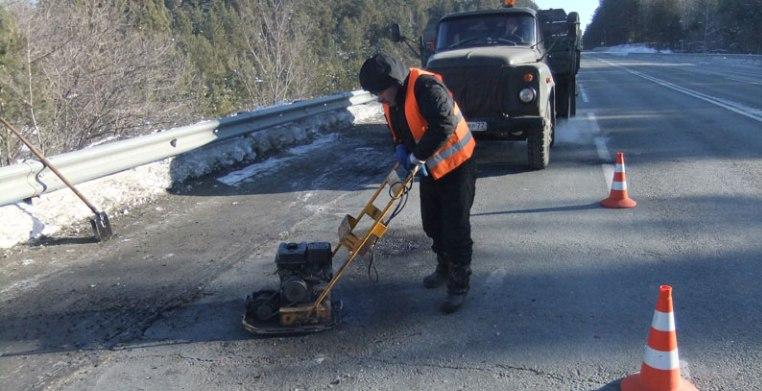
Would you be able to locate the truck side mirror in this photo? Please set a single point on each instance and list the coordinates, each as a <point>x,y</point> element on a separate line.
<point>396,35</point>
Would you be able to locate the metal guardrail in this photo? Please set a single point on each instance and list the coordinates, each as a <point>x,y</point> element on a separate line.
<point>31,178</point>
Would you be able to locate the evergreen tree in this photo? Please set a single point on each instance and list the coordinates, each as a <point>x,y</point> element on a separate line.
<point>692,25</point>
<point>11,70</point>
<point>11,65</point>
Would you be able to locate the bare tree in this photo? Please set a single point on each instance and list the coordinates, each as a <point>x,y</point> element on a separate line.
<point>276,48</point>
<point>108,78</point>
<point>90,75</point>
<point>16,81</point>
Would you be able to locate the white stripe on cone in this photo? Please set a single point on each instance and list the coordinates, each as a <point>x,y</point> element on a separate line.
<point>619,168</point>
<point>663,321</point>
<point>666,361</point>
<point>619,186</point>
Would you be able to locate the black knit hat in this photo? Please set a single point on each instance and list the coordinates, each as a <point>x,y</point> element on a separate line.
<point>381,72</point>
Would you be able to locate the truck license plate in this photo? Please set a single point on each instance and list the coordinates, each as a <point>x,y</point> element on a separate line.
<point>477,126</point>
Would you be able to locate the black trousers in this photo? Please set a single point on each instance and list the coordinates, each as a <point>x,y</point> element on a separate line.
<point>446,213</point>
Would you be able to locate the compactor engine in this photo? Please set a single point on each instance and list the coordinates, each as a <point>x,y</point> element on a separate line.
<point>304,269</point>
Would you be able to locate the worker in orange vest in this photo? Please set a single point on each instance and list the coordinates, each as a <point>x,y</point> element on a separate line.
<point>429,131</point>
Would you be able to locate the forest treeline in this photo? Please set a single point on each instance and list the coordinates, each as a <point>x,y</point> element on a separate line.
<point>733,26</point>
<point>75,72</point>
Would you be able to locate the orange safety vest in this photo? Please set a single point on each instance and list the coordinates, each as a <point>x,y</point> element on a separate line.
<point>456,150</point>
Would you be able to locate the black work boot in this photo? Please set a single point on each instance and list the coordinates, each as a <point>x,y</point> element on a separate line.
<point>439,277</point>
<point>457,287</point>
<point>453,302</point>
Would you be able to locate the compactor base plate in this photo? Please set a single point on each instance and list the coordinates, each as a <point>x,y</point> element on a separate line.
<point>273,326</point>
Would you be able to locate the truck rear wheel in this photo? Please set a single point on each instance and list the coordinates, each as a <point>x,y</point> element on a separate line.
<point>538,144</point>
<point>573,97</point>
<point>564,97</point>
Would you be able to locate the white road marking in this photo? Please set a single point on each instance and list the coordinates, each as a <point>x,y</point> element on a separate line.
<point>735,107</point>
<point>601,148</point>
<point>594,122</point>
<point>583,94</point>
<point>608,174</point>
<point>742,80</point>
<point>603,151</point>
<point>741,76</point>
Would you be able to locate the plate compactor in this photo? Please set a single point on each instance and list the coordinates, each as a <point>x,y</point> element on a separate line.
<point>303,302</point>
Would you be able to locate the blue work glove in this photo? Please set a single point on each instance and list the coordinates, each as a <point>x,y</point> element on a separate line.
<point>423,171</point>
<point>413,161</point>
<point>401,154</point>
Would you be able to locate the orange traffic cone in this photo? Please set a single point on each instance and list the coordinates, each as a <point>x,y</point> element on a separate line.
<point>618,198</point>
<point>661,365</point>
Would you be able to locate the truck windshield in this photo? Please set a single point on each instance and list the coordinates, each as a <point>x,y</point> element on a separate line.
<point>511,30</point>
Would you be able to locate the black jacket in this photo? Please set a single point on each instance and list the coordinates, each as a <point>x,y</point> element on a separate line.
<point>436,107</point>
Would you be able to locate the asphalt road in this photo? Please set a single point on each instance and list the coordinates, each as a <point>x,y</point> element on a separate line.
<point>563,291</point>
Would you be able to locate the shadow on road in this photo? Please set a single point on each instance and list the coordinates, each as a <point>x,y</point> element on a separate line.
<point>613,386</point>
<point>57,241</point>
<point>571,208</point>
<point>496,158</point>
<point>503,319</point>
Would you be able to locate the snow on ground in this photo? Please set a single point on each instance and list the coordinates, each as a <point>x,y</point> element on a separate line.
<point>643,51</point>
<point>631,48</point>
<point>367,113</point>
<point>103,141</point>
<point>236,177</point>
<point>49,213</point>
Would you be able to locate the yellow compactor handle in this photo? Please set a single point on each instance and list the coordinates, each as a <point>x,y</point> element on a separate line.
<point>358,245</point>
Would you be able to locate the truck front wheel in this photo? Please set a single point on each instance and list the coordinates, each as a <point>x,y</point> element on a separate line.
<point>538,144</point>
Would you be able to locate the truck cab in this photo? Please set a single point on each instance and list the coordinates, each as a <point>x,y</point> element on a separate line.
<point>511,71</point>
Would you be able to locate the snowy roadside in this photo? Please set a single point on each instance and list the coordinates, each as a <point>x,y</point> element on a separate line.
<point>50,213</point>
<point>627,49</point>
<point>644,51</point>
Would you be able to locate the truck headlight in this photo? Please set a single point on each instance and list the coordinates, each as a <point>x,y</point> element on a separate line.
<point>527,95</point>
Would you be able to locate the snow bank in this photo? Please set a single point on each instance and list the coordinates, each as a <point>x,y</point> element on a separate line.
<point>117,193</point>
<point>641,50</point>
<point>632,48</point>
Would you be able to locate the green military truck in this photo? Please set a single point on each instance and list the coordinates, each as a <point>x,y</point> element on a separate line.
<point>511,70</point>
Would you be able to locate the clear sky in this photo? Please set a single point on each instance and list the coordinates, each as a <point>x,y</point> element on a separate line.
<point>586,8</point>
